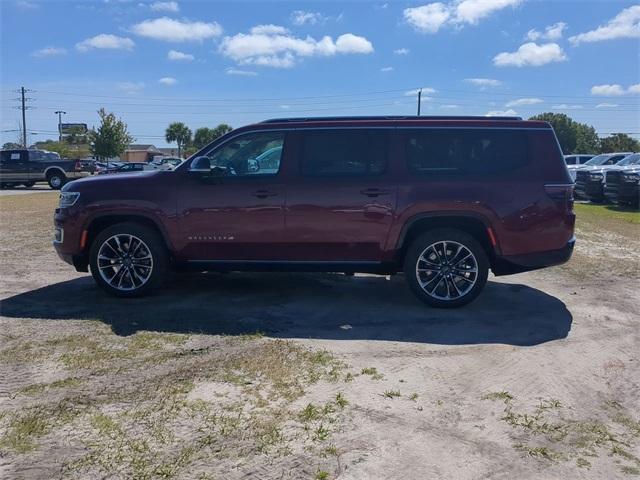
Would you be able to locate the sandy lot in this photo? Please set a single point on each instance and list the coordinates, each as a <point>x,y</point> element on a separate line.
<point>319,376</point>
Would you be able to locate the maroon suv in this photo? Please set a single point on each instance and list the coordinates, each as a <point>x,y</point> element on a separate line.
<point>442,199</point>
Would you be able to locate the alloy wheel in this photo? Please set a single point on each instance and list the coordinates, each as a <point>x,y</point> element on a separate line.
<point>447,270</point>
<point>125,262</point>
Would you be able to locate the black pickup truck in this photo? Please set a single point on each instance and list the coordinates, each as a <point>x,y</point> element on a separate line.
<point>26,167</point>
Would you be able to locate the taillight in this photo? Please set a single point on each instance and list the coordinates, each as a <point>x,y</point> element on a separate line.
<point>561,194</point>
<point>78,166</point>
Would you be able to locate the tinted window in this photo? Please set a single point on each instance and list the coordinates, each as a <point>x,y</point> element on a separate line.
<point>585,159</point>
<point>465,150</point>
<point>570,160</point>
<point>250,154</point>
<point>344,152</point>
<point>613,160</point>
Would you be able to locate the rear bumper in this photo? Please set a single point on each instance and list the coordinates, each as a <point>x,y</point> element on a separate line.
<point>509,264</point>
<point>76,175</point>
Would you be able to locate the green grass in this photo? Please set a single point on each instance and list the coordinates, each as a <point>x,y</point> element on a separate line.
<point>594,211</point>
<point>391,393</point>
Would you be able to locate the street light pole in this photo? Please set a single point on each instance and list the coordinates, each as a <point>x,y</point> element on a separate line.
<point>60,113</point>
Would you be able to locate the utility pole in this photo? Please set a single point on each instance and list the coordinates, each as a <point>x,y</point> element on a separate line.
<point>60,113</point>
<point>419,100</point>
<point>24,120</point>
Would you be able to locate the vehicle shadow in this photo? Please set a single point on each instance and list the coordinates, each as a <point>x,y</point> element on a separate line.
<point>320,306</point>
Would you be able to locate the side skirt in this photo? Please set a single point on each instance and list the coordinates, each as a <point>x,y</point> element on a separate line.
<point>288,266</point>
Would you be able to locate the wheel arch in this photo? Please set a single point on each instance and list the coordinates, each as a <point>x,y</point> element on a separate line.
<point>51,169</point>
<point>476,225</point>
<point>98,223</point>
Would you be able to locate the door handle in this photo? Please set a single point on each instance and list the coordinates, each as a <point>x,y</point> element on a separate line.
<point>264,194</point>
<point>375,192</point>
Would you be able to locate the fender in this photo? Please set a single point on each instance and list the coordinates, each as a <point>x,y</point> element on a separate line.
<point>449,214</point>
<point>54,167</point>
<point>121,212</point>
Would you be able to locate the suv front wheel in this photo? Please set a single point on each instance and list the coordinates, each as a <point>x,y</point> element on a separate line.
<point>128,260</point>
<point>446,268</point>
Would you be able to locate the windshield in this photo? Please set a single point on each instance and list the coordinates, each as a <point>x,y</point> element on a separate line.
<point>598,160</point>
<point>630,160</point>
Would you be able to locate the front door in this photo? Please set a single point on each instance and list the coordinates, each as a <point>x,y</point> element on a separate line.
<point>236,214</point>
<point>341,205</point>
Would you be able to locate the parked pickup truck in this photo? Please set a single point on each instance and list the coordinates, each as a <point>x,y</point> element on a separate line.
<point>26,167</point>
<point>622,185</point>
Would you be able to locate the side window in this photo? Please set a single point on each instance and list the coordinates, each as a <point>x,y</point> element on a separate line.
<point>465,150</point>
<point>613,160</point>
<point>252,154</point>
<point>344,152</point>
<point>570,160</point>
<point>16,157</point>
<point>584,160</point>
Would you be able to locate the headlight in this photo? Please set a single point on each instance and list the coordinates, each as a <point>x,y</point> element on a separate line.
<point>68,198</point>
<point>631,177</point>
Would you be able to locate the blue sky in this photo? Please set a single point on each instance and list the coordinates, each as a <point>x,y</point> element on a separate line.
<point>204,63</point>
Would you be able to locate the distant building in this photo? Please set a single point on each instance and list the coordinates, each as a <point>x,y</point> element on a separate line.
<point>169,151</point>
<point>140,153</point>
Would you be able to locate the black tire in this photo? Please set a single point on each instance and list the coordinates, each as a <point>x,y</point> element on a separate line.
<point>56,180</point>
<point>156,249</point>
<point>457,237</point>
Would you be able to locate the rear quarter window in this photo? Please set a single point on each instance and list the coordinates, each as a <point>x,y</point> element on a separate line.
<point>461,151</point>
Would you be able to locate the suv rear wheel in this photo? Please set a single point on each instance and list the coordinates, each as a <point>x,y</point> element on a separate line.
<point>446,268</point>
<point>128,260</point>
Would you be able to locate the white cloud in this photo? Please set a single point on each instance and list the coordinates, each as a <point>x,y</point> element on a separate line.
<point>130,87</point>
<point>470,11</point>
<point>425,91</point>
<point>178,56</point>
<point>523,101</point>
<point>449,106</point>
<point>165,7</point>
<point>49,52</point>
<point>235,71</point>
<point>531,55</point>
<point>401,51</point>
<point>614,90</point>
<point>27,5</point>
<point>634,89</point>
<point>607,90</point>
<point>168,81</point>
<point>624,25</point>
<point>274,46</point>
<point>431,17</point>
<point>501,113</point>
<point>606,105</point>
<point>427,18</point>
<point>300,17</point>
<point>552,32</point>
<point>483,82</point>
<point>564,106</point>
<point>386,69</point>
<point>170,30</point>
<point>106,41</point>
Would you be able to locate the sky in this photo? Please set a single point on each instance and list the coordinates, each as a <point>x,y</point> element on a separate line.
<point>204,63</point>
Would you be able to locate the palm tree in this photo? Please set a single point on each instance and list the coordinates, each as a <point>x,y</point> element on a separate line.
<point>178,132</point>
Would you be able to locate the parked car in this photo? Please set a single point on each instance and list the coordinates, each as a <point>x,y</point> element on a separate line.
<point>128,167</point>
<point>165,163</point>
<point>622,183</point>
<point>107,167</point>
<point>26,167</point>
<point>442,199</point>
<point>576,161</point>
<point>590,178</point>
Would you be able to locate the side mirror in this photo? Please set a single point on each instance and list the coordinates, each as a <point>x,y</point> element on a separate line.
<point>200,165</point>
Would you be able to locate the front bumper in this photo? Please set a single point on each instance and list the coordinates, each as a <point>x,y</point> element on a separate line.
<point>67,238</point>
<point>509,264</point>
<point>591,190</point>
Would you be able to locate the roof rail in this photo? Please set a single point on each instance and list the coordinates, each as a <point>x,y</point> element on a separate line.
<point>386,117</point>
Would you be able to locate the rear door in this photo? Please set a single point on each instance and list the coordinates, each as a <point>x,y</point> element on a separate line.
<point>341,203</point>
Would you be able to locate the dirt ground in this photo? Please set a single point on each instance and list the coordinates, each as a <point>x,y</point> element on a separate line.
<point>319,376</point>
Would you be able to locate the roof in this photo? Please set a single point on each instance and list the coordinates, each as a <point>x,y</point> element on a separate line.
<point>388,117</point>
<point>142,147</point>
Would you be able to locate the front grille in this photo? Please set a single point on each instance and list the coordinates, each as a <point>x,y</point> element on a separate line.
<point>582,177</point>
<point>614,178</point>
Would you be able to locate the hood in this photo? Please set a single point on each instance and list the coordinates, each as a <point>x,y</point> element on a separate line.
<point>110,180</point>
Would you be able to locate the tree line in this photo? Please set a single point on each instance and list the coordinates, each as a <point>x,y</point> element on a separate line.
<point>179,133</point>
<point>575,137</point>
